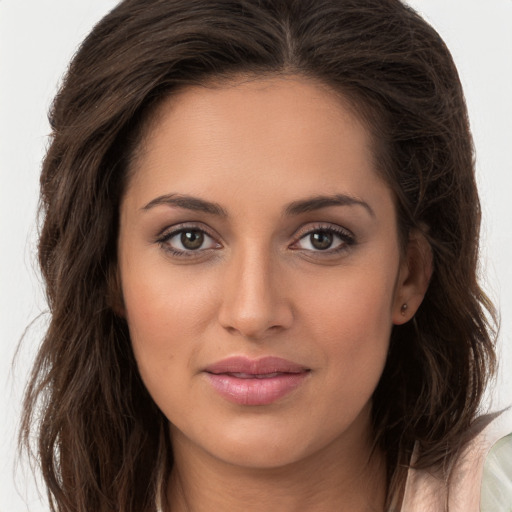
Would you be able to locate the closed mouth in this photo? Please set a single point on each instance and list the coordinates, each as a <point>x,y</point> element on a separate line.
<point>248,382</point>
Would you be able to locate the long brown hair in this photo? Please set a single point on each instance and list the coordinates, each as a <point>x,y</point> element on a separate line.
<point>102,442</point>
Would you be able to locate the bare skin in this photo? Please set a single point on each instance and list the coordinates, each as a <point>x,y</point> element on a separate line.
<point>255,225</point>
<point>319,484</point>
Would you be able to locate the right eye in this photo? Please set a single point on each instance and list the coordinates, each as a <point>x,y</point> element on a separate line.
<point>186,241</point>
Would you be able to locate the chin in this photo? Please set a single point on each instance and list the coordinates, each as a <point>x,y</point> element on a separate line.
<point>262,455</point>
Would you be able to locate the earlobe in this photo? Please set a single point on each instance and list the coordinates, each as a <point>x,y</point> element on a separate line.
<point>414,277</point>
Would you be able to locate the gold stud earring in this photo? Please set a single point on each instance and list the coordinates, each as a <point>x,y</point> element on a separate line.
<point>403,309</point>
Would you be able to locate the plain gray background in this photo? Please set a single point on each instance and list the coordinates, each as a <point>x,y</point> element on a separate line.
<point>37,39</point>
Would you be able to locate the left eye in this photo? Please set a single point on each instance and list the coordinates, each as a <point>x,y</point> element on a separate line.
<point>187,240</point>
<point>323,240</point>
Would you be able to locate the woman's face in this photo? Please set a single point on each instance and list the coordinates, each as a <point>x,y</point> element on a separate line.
<point>261,271</point>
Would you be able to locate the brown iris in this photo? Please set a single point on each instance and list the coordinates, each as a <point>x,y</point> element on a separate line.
<point>192,239</point>
<point>321,240</point>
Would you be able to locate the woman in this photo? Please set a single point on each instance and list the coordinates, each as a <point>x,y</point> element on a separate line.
<point>260,248</point>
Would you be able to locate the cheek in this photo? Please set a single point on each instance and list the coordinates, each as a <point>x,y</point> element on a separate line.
<point>355,301</point>
<point>350,319</point>
<point>165,314</point>
<point>159,302</point>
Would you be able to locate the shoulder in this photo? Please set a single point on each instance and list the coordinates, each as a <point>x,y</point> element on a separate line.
<point>496,490</point>
<point>482,466</point>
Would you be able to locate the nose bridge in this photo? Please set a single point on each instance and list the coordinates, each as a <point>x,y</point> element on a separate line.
<point>252,304</point>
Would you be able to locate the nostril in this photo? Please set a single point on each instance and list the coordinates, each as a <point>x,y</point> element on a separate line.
<point>256,328</point>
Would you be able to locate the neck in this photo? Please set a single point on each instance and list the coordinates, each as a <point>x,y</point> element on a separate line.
<point>342,477</point>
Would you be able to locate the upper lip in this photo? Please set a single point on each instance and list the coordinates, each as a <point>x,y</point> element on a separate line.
<point>262,366</point>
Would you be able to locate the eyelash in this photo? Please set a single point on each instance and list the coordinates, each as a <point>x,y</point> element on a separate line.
<point>164,239</point>
<point>347,239</point>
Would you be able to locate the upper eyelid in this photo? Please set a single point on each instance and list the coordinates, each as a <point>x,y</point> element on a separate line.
<point>335,228</point>
<point>183,226</point>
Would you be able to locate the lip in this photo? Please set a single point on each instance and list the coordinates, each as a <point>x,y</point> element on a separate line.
<point>246,381</point>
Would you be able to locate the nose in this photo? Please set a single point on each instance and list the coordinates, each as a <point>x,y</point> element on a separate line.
<point>254,303</point>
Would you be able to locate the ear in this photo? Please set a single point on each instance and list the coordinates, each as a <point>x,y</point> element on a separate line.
<point>413,279</point>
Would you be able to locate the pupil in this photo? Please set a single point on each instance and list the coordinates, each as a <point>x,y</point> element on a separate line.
<point>192,239</point>
<point>321,240</point>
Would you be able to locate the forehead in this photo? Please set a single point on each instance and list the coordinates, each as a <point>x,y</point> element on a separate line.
<point>294,134</point>
<point>249,103</point>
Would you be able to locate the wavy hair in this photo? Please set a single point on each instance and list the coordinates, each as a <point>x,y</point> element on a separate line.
<point>102,443</point>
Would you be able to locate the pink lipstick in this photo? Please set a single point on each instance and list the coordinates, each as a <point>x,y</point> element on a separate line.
<point>262,381</point>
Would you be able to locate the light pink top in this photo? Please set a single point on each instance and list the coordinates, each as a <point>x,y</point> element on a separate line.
<point>425,492</point>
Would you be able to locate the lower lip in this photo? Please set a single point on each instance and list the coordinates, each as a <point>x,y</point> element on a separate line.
<point>255,391</point>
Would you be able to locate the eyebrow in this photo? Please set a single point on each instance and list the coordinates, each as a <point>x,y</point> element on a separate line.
<point>187,202</point>
<point>294,208</point>
<point>318,202</point>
